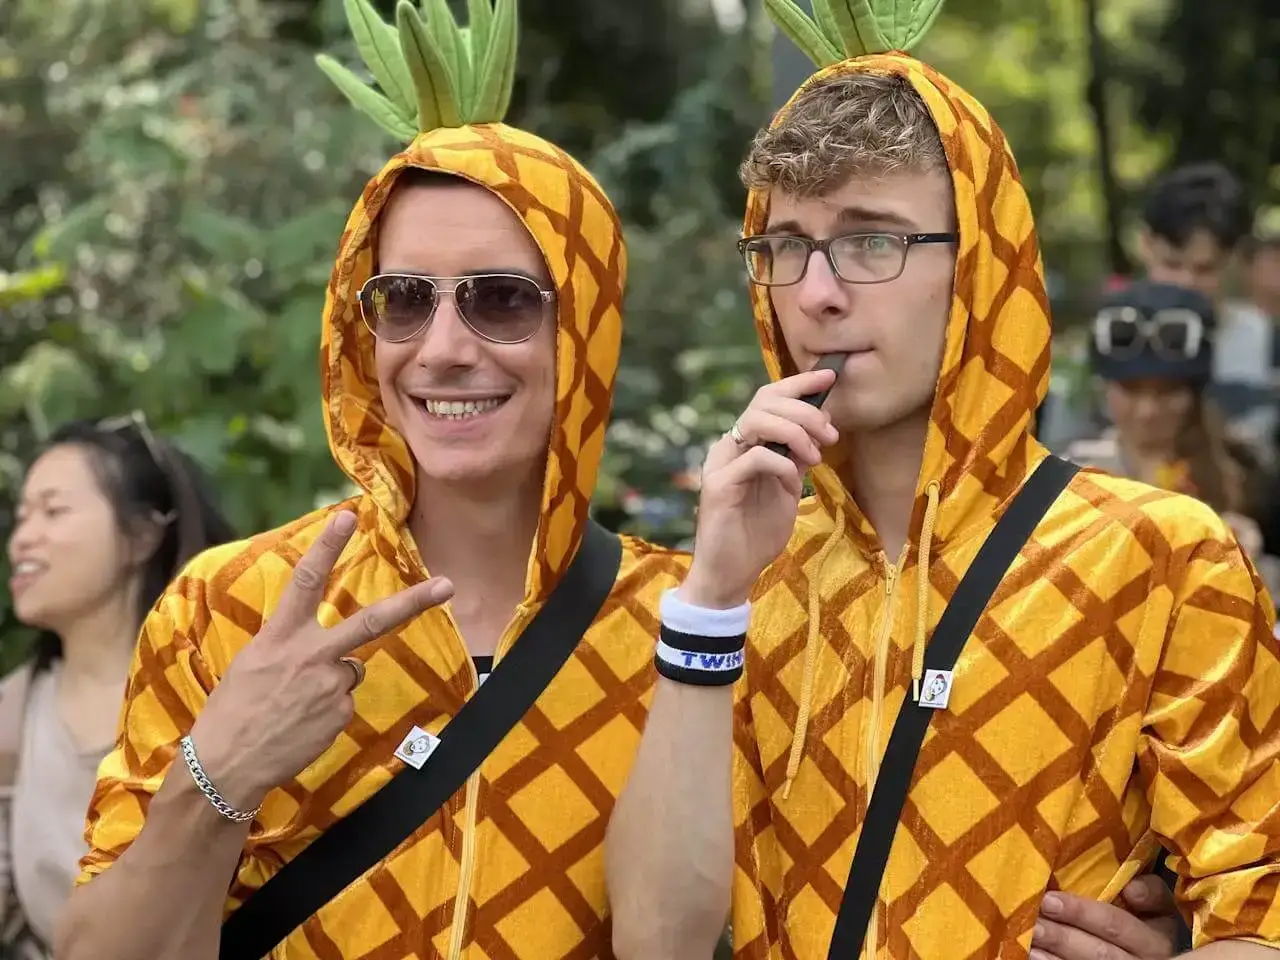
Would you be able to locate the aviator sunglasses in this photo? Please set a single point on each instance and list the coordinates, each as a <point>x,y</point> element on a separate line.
<point>498,307</point>
<point>1172,334</point>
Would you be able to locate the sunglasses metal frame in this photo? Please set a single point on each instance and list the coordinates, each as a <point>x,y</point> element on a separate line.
<point>547,296</point>
<point>908,240</point>
<point>1147,329</point>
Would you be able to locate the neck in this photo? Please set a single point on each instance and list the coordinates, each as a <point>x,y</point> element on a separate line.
<point>479,537</point>
<point>884,467</point>
<point>1145,462</point>
<point>97,647</point>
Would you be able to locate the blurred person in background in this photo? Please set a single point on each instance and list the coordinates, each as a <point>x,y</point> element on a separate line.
<point>1195,222</point>
<point>107,515</point>
<point>1264,281</point>
<point>1153,347</point>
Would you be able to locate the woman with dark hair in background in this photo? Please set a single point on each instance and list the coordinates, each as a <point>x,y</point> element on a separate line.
<point>1153,346</point>
<point>106,518</point>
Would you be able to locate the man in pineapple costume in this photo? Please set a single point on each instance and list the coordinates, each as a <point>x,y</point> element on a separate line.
<point>472,418</point>
<point>1118,691</point>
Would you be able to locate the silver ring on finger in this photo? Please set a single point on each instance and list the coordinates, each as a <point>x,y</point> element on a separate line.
<point>735,433</point>
<point>358,667</point>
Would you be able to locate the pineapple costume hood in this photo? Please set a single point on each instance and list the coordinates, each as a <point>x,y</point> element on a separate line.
<point>457,83</point>
<point>1076,742</point>
<point>512,865</point>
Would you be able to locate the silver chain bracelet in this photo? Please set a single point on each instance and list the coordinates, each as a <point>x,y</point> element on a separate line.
<point>206,787</point>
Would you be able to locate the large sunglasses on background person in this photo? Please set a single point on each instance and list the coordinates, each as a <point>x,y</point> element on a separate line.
<point>1172,334</point>
<point>498,307</point>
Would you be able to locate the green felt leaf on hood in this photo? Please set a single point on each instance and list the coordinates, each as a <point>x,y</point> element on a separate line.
<point>841,29</point>
<point>433,71</point>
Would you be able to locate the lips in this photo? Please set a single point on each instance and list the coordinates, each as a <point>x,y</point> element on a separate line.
<point>25,572</point>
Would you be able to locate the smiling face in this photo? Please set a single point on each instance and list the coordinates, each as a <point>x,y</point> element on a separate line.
<point>895,330</point>
<point>472,411</point>
<point>68,552</point>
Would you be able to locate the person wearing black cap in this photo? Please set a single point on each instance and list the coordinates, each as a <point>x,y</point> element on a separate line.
<point>1152,346</point>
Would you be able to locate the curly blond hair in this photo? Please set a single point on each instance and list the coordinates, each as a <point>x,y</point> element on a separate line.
<point>862,123</point>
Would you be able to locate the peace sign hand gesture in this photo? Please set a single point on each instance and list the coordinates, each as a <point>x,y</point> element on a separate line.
<point>288,694</point>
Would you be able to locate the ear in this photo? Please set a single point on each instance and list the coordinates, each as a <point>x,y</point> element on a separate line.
<point>146,537</point>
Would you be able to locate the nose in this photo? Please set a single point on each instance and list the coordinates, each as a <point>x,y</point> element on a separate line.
<point>25,537</point>
<point>448,343</point>
<point>1149,408</point>
<point>822,294</point>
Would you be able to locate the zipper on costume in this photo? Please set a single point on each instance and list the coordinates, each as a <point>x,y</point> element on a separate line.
<point>880,666</point>
<point>467,864</point>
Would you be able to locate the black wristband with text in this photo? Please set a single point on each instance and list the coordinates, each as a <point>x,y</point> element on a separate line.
<point>699,661</point>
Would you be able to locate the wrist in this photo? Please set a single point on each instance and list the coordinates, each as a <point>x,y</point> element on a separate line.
<point>225,776</point>
<point>710,592</point>
<point>701,646</point>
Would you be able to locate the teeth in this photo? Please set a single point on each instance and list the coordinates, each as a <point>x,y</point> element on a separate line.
<point>459,409</point>
<point>28,566</point>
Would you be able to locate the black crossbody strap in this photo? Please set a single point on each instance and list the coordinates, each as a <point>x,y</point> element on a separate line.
<point>345,852</point>
<point>973,594</point>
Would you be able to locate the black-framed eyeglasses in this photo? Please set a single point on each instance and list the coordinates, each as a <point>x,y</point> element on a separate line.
<point>781,260</point>
<point>1122,333</point>
<point>498,307</point>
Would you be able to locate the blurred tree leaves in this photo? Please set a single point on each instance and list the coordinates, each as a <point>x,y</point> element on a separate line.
<point>177,174</point>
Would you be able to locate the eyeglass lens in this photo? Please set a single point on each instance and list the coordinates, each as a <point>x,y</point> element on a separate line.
<point>858,258</point>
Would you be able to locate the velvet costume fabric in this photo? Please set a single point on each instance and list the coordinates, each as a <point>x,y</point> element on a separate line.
<point>1118,694</point>
<point>513,865</point>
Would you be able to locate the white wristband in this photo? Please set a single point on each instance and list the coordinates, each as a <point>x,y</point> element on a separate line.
<point>703,621</point>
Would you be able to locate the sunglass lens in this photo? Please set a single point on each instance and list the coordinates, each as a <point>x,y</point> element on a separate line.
<point>500,308</point>
<point>400,306</point>
<point>1174,338</point>
<point>1124,336</point>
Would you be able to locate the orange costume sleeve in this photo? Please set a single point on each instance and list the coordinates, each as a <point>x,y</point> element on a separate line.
<point>176,664</point>
<point>1209,748</point>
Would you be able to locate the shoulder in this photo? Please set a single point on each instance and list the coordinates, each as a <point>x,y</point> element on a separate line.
<point>14,688</point>
<point>1244,314</point>
<point>223,595</point>
<point>1179,542</point>
<point>13,701</point>
<point>225,564</point>
<point>15,683</point>
<point>651,560</point>
<point>1097,453</point>
<point>647,571</point>
<point>1126,501</point>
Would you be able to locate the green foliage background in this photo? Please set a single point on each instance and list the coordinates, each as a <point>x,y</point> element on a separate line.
<point>175,173</point>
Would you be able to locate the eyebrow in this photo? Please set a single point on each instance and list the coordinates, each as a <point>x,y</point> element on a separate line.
<point>853,216</point>
<point>42,496</point>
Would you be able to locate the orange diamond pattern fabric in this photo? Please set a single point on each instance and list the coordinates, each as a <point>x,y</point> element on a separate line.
<point>512,867</point>
<point>1119,694</point>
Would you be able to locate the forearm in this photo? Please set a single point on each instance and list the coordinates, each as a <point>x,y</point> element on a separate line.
<point>163,899</point>
<point>1235,950</point>
<point>670,848</point>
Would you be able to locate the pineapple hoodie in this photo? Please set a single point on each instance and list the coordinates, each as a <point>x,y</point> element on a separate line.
<point>1118,695</point>
<point>513,865</point>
